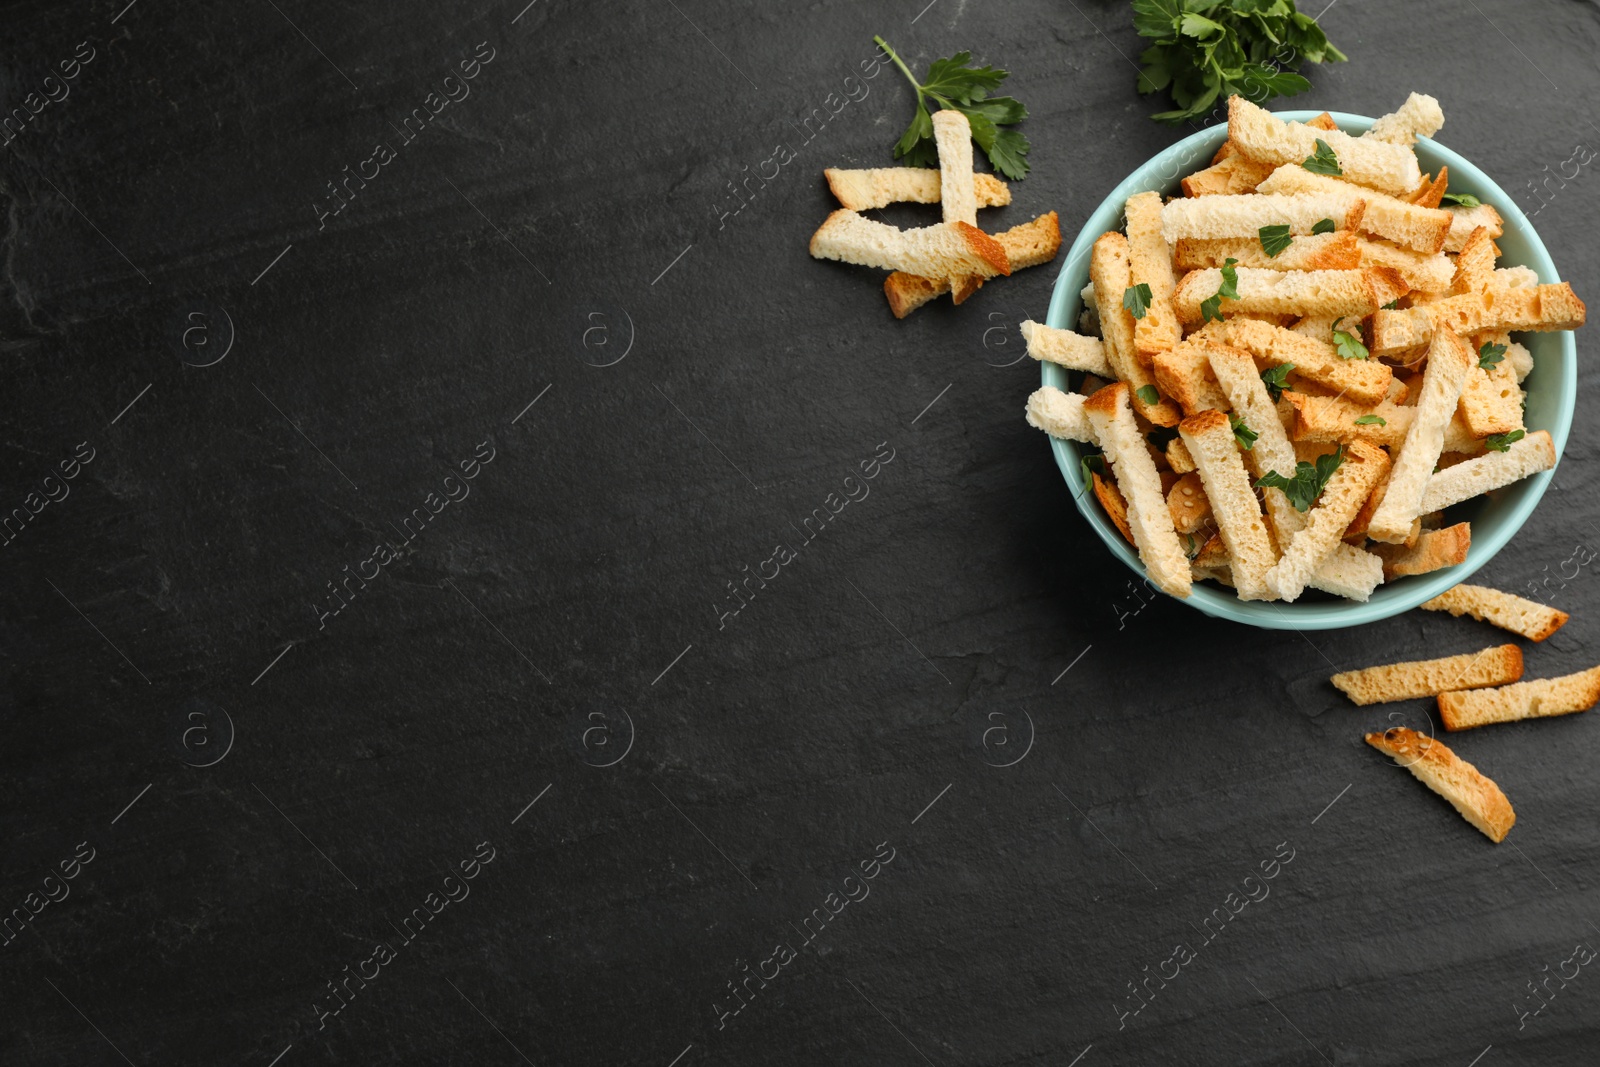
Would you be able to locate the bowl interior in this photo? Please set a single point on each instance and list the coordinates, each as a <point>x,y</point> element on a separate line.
<point>1495,517</point>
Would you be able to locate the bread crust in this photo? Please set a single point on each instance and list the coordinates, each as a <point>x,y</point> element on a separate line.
<point>1030,244</point>
<point>1111,273</point>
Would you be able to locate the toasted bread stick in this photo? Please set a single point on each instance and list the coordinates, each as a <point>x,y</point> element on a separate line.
<point>1528,618</point>
<point>1539,698</point>
<point>1471,793</point>
<point>1496,665</point>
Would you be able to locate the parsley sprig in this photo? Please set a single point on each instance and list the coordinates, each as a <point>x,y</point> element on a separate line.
<point>1459,200</point>
<point>955,84</point>
<point>1276,379</point>
<point>1243,435</point>
<point>1324,226</point>
<point>1348,344</point>
<point>1323,161</point>
<point>1211,306</point>
<point>1490,354</point>
<point>1206,50</point>
<point>1502,442</point>
<point>1308,480</point>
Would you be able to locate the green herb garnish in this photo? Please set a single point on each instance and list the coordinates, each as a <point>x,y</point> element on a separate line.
<point>952,83</point>
<point>1393,305</point>
<point>1148,394</point>
<point>1349,346</point>
<point>1275,239</point>
<point>1137,299</point>
<point>1090,465</point>
<point>1502,442</point>
<point>1372,420</point>
<point>1276,380</point>
<point>1211,306</point>
<point>1324,226</point>
<point>1460,200</point>
<point>1206,50</point>
<point>1242,434</point>
<point>1323,161</point>
<point>1490,354</point>
<point>1308,481</point>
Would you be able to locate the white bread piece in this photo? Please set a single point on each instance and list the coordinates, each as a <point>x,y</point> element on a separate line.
<point>943,250</point>
<point>1325,523</point>
<point>1475,796</point>
<point>1537,699</point>
<point>1463,220</point>
<point>1030,244</point>
<point>1495,665</point>
<point>1491,402</point>
<point>1229,176</point>
<point>1066,349</point>
<point>1365,381</point>
<point>1532,454</point>
<point>1110,271</point>
<point>1216,217</point>
<point>1059,414</point>
<point>1178,457</point>
<point>1149,521</point>
<point>958,197</point>
<point>1319,327</point>
<point>1474,263</point>
<point>1183,373</point>
<point>1332,418</point>
<point>1446,372</point>
<point>1528,618</point>
<point>1418,228</point>
<point>1260,135</point>
<point>1340,250</point>
<point>1350,293</point>
<point>1150,262</point>
<point>1520,360</point>
<point>1427,273</point>
<point>1434,550</point>
<point>1419,116</point>
<point>1515,277</point>
<point>1347,571</point>
<point>863,190</point>
<point>1496,308</point>
<point>1209,435</point>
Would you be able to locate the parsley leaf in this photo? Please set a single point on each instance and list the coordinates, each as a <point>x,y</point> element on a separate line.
<point>1490,354</point>
<point>1275,239</point>
<point>1276,380</point>
<point>1211,306</point>
<point>1149,394</point>
<point>1393,305</point>
<point>1460,200</point>
<point>1323,161</point>
<point>1203,51</point>
<point>1324,226</point>
<point>1137,299</point>
<point>1243,434</point>
<point>1502,442</point>
<point>1092,464</point>
<point>1308,480</point>
<point>1372,420</point>
<point>1349,345</point>
<point>955,84</point>
<point>1230,280</point>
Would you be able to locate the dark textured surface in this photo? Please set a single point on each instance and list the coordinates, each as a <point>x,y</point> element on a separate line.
<point>570,606</point>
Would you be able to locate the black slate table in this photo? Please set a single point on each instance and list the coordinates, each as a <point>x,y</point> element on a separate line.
<point>376,686</point>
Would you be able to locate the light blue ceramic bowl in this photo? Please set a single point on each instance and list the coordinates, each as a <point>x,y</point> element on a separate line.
<point>1552,391</point>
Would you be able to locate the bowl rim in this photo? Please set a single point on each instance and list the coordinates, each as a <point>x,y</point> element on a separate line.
<point>1161,173</point>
